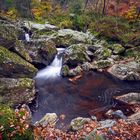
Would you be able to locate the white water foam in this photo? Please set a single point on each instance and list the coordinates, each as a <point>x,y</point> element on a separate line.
<point>54,69</point>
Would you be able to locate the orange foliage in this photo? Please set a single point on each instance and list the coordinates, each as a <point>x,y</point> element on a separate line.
<point>123,6</point>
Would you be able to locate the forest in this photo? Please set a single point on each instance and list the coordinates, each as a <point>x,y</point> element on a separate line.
<point>69,69</point>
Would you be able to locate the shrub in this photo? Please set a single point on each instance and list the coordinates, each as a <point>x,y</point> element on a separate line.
<point>14,125</point>
<point>111,28</point>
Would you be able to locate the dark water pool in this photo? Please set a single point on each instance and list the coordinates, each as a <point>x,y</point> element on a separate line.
<point>90,94</point>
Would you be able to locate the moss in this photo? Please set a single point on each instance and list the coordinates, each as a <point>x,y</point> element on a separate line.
<point>43,32</point>
<point>118,48</point>
<point>8,32</point>
<point>77,54</point>
<point>103,64</point>
<point>6,56</point>
<point>133,52</point>
<point>20,49</point>
<point>16,91</point>
<point>65,70</point>
<point>105,53</point>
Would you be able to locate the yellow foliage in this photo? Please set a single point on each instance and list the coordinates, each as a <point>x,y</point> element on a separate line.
<point>11,13</point>
<point>65,24</point>
<point>131,14</point>
<point>40,10</point>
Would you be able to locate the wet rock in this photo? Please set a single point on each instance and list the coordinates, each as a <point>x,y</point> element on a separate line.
<point>75,71</point>
<point>41,53</point>
<point>75,54</point>
<point>16,91</point>
<point>37,53</point>
<point>14,66</point>
<point>94,118</point>
<point>118,48</point>
<point>78,123</point>
<point>128,71</point>
<point>119,114</point>
<point>48,119</point>
<point>67,37</point>
<point>65,70</point>
<point>106,123</point>
<point>130,98</point>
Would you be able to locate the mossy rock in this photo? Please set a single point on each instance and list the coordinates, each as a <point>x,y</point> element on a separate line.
<point>67,37</point>
<point>106,53</point>
<point>14,92</point>
<point>103,64</point>
<point>14,66</point>
<point>8,35</point>
<point>118,48</point>
<point>41,52</point>
<point>78,123</point>
<point>76,54</point>
<point>133,52</point>
<point>103,53</point>
<point>65,70</point>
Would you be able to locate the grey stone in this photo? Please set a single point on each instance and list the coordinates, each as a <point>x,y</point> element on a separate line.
<point>15,92</point>
<point>78,123</point>
<point>49,118</point>
<point>106,123</point>
<point>119,114</point>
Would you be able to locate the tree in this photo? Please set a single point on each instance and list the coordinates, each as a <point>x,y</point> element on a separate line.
<point>24,8</point>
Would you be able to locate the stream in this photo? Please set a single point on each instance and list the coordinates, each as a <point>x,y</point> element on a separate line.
<point>91,93</point>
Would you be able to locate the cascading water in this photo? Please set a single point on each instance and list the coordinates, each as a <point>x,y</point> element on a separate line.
<point>54,69</point>
<point>91,94</point>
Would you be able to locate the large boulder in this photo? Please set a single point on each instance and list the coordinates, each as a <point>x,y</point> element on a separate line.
<point>16,91</point>
<point>76,54</point>
<point>38,53</point>
<point>41,53</point>
<point>67,37</point>
<point>128,71</point>
<point>14,66</point>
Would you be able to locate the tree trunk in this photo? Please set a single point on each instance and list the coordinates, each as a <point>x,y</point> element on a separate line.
<point>24,8</point>
<point>104,7</point>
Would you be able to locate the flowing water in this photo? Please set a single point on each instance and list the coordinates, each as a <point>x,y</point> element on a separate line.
<point>90,94</point>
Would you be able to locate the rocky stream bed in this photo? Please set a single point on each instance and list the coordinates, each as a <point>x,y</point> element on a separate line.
<point>98,82</point>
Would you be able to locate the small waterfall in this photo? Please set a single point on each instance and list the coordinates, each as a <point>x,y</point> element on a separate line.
<point>53,70</point>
